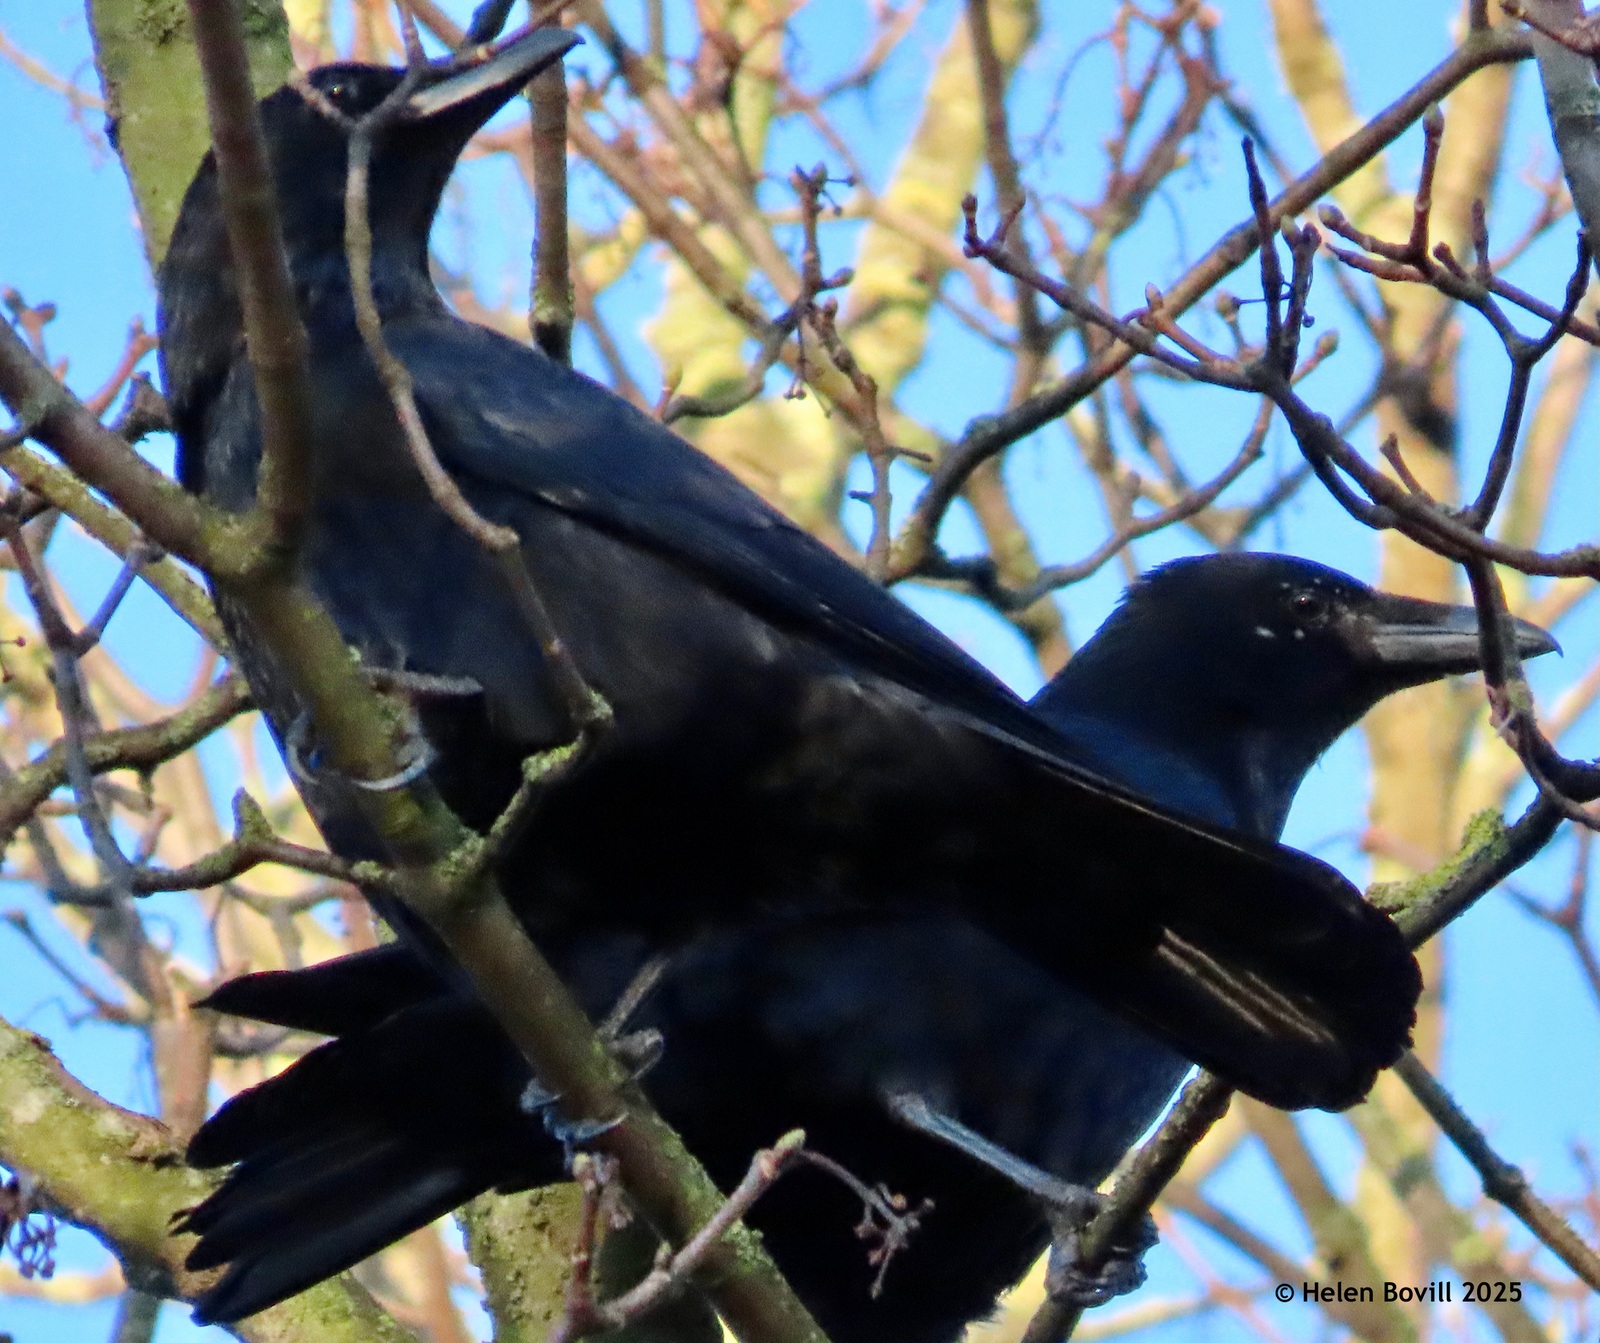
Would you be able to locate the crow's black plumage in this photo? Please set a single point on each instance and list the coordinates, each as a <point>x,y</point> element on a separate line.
<point>807,1024</point>
<point>788,737</point>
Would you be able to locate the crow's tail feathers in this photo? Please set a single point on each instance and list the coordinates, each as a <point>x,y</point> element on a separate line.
<point>335,997</point>
<point>1254,960</point>
<point>1300,1005</point>
<point>360,1143</point>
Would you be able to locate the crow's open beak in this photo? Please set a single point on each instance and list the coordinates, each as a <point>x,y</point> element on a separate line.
<point>496,78</point>
<point>1430,639</point>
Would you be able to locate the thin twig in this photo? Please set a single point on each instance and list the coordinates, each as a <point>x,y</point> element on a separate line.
<point>821,319</point>
<point>1502,1181</point>
<point>550,301</point>
<point>66,648</point>
<point>139,748</point>
<point>983,577</point>
<point>586,712</point>
<point>1570,918</point>
<point>275,339</point>
<point>888,1221</point>
<point>1204,1101</point>
<point>585,1316</point>
<point>992,434</point>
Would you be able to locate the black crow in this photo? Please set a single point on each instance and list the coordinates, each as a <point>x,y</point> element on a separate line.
<point>789,1023</point>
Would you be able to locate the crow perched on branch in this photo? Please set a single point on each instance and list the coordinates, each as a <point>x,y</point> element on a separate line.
<point>1213,688</point>
<point>788,737</point>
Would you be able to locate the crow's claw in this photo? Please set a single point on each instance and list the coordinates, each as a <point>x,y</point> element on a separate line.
<point>1066,1278</point>
<point>572,1134</point>
<point>536,1098</point>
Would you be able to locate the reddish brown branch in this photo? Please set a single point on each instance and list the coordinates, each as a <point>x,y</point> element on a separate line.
<point>987,437</point>
<point>982,574</point>
<point>139,343</point>
<point>1034,342</point>
<point>585,1316</point>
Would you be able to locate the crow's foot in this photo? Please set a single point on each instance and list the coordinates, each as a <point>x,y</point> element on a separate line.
<point>1067,1279</point>
<point>637,1051</point>
<point>1070,1208</point>
<point>573,1134</point>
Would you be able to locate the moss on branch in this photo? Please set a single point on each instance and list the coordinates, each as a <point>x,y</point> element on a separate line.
<point>121,1176</point>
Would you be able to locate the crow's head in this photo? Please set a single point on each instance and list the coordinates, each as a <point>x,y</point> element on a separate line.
<point>1251,665</point>
<point>412,156</point>
<point>413,150</point>
<point>1275,633</point>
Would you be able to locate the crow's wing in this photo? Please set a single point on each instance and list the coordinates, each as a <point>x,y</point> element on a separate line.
<point>504,414</point>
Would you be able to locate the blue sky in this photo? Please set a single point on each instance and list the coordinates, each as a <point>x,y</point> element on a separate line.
<point>1521,1050</point>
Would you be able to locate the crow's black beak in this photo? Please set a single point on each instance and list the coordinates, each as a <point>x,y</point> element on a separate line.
<point>488,83</point>
<point>1424,640</point>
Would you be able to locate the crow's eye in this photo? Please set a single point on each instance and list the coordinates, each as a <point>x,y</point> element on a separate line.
<point>1308,605</point>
